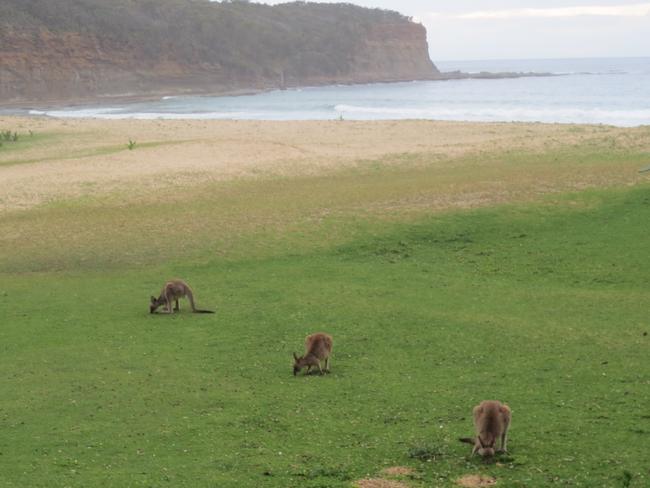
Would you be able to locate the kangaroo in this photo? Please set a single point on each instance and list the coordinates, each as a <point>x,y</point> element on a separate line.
<point>491,422</point>
<point>171,292</point>
<point>318,347</point>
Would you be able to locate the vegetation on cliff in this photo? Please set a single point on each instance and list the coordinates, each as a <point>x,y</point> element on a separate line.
<point>144,44</point>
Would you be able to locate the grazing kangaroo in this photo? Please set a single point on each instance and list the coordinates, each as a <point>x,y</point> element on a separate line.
<point>491,422</point>
<point>318,347</point>
<point>171,292</point>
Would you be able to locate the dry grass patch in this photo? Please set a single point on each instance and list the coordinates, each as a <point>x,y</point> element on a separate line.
<point>379,483</point>
<point>397,471</point>
<point>475,481</point>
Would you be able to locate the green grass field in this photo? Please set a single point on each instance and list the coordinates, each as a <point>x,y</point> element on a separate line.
<point>543,305</point>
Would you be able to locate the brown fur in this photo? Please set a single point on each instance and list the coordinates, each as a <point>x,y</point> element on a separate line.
<point>491,423</point>
<point>318,347</point>
<point>171,292</point>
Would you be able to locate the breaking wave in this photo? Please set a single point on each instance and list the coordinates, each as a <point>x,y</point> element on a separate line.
<point>500,114</point>
<point>120,114</point>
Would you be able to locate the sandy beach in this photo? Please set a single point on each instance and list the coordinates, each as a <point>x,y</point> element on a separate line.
<point>73,158</point>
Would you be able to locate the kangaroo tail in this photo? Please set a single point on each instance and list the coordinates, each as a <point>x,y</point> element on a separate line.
<point>467,440</point>
<point>198,310</point>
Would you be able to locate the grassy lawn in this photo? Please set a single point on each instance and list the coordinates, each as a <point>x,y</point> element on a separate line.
<point>543,305</point>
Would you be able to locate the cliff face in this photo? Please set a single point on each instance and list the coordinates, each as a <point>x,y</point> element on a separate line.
<point>67,50</point>
<point>399,48</point>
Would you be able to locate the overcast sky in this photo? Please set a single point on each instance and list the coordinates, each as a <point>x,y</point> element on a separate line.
<point>507,29</point>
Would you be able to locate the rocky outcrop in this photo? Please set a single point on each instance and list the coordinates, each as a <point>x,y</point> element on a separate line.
<point>73,50</point>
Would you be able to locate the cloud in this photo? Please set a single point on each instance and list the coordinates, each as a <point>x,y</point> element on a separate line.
<point>631,10</point>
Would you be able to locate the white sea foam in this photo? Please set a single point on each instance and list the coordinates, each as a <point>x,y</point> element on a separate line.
<point>500,114</point>
<point>120,114</point>
<point>80,113</point>
<point>360,112</point>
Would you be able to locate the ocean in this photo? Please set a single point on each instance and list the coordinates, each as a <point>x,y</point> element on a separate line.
<point>613,91</point>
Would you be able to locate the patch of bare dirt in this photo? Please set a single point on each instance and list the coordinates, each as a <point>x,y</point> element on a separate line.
<point>475,481</point>
<point>379,483</point>
<point>397,471</point>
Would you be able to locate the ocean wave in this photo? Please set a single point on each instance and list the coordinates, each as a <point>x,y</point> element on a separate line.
<point>120,114</point>
<point>83,112</point>
<point>591,73</point>
<point>475,113</point>
<point>501,114</point>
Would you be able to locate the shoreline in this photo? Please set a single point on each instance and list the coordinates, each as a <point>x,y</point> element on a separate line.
<point>20,107</point>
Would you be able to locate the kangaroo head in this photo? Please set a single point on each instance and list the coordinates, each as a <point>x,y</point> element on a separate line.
<point>155,303</point>
<point>301,362</point>
<point>486,445</point>
<point>298,363</point>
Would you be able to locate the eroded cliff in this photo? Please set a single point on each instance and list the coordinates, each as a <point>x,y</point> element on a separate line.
<point>69,50</point>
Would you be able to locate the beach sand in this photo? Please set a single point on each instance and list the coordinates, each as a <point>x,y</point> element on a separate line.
<point>73,158</point>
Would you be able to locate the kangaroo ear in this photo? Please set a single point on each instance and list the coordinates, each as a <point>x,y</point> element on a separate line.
<point>153,299</point>
<point>295,356</point>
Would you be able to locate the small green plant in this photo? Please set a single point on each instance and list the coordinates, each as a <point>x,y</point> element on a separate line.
<point>9,136</point>
<point>131,145</point>
<point>341,117</point>
<point>425,452</point>
<point>324,472</point>
<point>626,478</point>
